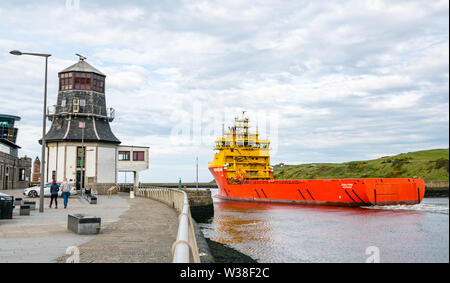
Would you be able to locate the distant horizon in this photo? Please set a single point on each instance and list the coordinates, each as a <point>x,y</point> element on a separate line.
<point>121,176</point>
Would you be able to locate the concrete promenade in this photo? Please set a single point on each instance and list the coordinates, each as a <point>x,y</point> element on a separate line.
<point>132,230</point>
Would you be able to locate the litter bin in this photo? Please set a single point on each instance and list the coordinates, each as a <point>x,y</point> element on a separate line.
<point>6,208</point>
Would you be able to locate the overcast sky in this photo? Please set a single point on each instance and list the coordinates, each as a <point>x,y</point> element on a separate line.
<point>326,81</point>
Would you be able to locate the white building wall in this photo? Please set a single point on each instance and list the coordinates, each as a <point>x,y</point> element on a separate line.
<point>101,161</point>
<point>91,161</point>
<point>51,162</point>
<point>106,165</point>
<point>60,162</point>
<point>71,165</point>
<point>132,165</point>
<point>5,148</point>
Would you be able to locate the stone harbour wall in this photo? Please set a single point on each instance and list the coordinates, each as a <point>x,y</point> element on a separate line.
<point>201,204</point>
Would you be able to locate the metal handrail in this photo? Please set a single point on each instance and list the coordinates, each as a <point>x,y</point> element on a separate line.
<point>184,249</point>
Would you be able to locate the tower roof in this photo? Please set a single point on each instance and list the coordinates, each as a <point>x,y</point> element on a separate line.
<point>12,117</point>
<point>82,66</point>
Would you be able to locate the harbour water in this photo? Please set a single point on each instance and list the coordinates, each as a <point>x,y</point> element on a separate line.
<point>295,233</point>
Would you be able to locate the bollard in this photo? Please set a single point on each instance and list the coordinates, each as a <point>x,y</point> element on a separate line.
<point>31,204</point>
<point>24,210</point>
<point>131,194</point>
<point>18,201</point>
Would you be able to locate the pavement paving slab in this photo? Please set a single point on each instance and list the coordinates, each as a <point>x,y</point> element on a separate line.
<point>132,230</point>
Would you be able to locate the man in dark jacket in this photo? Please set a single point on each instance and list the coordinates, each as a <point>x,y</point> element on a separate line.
<point>54,189</point>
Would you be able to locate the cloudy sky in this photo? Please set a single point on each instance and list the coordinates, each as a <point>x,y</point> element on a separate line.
<point>326,81</point>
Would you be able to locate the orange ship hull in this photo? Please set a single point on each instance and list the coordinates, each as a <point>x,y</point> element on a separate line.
<point>334,192</point>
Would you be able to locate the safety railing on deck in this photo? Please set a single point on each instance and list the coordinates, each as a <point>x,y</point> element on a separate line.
<point>185,249</point>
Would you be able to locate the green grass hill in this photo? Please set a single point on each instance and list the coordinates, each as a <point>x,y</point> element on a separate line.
<point>430,165</point>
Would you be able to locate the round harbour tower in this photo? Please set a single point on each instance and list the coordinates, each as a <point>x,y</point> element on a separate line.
<point>80,145</point>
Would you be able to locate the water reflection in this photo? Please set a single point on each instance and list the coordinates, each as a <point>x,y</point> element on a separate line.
<point>295,233</point>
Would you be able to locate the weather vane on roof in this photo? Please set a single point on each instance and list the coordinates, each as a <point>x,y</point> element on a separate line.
<point>82,58</point>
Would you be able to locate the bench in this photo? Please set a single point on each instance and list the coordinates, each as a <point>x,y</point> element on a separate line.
<point>89,197</point>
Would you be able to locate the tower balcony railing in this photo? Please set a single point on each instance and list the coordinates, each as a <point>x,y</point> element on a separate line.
<point>110,113</point>
<point>77,110</point>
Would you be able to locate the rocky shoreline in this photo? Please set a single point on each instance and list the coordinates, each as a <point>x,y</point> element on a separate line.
<point>225,254</point>
<point>436,192</point>
<point>214,252</point>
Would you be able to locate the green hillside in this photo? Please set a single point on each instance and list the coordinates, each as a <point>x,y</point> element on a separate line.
<point>431,165</point>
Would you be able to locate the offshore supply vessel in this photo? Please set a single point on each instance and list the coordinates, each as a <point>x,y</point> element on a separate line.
<point>242,171</point>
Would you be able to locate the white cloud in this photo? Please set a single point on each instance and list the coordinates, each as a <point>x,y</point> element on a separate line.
<point>348,79</point>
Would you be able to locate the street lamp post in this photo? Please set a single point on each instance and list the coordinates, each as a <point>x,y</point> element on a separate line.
<point>44,116</point>
<point>83,155</point>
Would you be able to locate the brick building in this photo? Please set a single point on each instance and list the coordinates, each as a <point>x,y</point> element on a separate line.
<point>36,177</point>
<point>14,171</point>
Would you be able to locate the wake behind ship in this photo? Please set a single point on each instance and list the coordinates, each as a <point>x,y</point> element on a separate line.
<point>241,168</point>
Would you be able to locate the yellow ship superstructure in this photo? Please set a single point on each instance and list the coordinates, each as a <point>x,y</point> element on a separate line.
<point>243,155</point>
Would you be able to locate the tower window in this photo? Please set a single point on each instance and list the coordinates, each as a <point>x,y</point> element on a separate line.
<point>98,83</point>
<point>65,81</point>
<point>83,81</point>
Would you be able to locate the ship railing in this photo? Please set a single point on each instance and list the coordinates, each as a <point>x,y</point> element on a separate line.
<point>184,249</point>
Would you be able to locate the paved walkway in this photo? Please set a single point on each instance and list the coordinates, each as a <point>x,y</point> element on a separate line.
<point>133,230</point>
<point>145,233</point>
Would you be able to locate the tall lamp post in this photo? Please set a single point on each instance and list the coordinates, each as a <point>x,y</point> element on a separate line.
<point>41,193</point>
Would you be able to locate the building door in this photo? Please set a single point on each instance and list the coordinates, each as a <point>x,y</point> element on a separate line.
<point>79,184</point>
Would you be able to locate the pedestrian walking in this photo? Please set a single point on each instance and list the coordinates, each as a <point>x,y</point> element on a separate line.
<point>65,189</point>
<point>54,189</point>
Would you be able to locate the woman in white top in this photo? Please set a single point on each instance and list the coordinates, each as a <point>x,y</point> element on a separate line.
<point>65,188</point>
